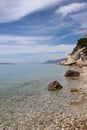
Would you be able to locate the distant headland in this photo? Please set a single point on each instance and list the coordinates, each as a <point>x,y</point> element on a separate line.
<point>7,63</point>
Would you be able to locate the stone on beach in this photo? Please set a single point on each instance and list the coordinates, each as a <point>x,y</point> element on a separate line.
<point>54,86</point>
<point>72,73</point>
<point>74,90</point>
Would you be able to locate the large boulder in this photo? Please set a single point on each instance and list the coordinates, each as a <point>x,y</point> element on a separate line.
<point>72,73</point>
<point>54,86</point>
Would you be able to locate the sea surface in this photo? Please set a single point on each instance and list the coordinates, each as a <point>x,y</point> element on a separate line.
<point>25,102</point>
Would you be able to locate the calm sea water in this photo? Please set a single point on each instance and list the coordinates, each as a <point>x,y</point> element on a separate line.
<point>21,79</point>
<point>24,93</point>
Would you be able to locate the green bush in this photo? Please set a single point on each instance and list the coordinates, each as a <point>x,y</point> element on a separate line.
<point>82,42</point>
<point>85,51</point>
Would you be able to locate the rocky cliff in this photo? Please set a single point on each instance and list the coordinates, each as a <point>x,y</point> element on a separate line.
<point>78,55</point>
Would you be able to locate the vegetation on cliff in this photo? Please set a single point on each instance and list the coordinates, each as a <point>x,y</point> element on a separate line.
<point>82,43</point>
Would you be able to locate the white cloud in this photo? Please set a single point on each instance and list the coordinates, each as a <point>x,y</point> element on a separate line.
<point>84,25</point>
<point>11,10</point>
<point>80,19</point>
<point>15,49</point>
<point>17,44</point>
<point>71,8</point>
<point>23,39</point>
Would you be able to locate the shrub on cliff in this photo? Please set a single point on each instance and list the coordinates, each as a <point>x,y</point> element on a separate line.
<point>85,50</point>
<point>82,43</point>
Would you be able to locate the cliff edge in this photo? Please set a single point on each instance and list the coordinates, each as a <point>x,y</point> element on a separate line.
<point>79,54</point>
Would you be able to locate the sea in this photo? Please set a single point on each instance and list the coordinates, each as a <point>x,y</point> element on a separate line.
<point>25,102</point>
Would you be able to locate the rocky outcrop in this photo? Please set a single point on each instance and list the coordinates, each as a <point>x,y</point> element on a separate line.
<point>54,86</point>
<point>72,73</point>
<point>69,61</point>
<point>79,54</point>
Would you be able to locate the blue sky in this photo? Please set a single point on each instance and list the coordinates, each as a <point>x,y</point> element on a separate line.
<point>40,30</point>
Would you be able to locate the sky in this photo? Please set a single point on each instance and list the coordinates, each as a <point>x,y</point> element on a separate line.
<point>40,30</point>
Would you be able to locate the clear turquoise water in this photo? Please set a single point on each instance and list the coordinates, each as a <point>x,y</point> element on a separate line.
<point>30,77</point>
<point>24,92</point>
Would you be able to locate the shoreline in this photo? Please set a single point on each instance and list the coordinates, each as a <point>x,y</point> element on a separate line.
<point>83,84</point>
<point>80,91</point>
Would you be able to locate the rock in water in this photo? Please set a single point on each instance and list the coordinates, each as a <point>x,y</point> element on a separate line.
<point>72,73</point>
<point>54,86</point>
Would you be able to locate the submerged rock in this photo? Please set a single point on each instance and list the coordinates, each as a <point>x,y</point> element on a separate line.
<point>72,73</point>
<point>54,86</point>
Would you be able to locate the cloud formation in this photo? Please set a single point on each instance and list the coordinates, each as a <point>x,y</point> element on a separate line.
<point>11,39</point>
<point>49,33</point>
<point>17,45</point>
<point>71,8</point>
<point>15,49</point>
<point>12,10</point>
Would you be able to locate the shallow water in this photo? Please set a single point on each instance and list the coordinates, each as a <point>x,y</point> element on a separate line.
<point>25,102</point>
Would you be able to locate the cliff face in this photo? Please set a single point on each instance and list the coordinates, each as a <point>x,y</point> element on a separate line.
<point>80,51</point>
<point>81,45</point>
<point>79,54</point>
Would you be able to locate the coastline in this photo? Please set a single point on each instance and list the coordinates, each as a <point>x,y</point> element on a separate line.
<point>79,122</point>
<point>83,83</point>
<point>82,86</point>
